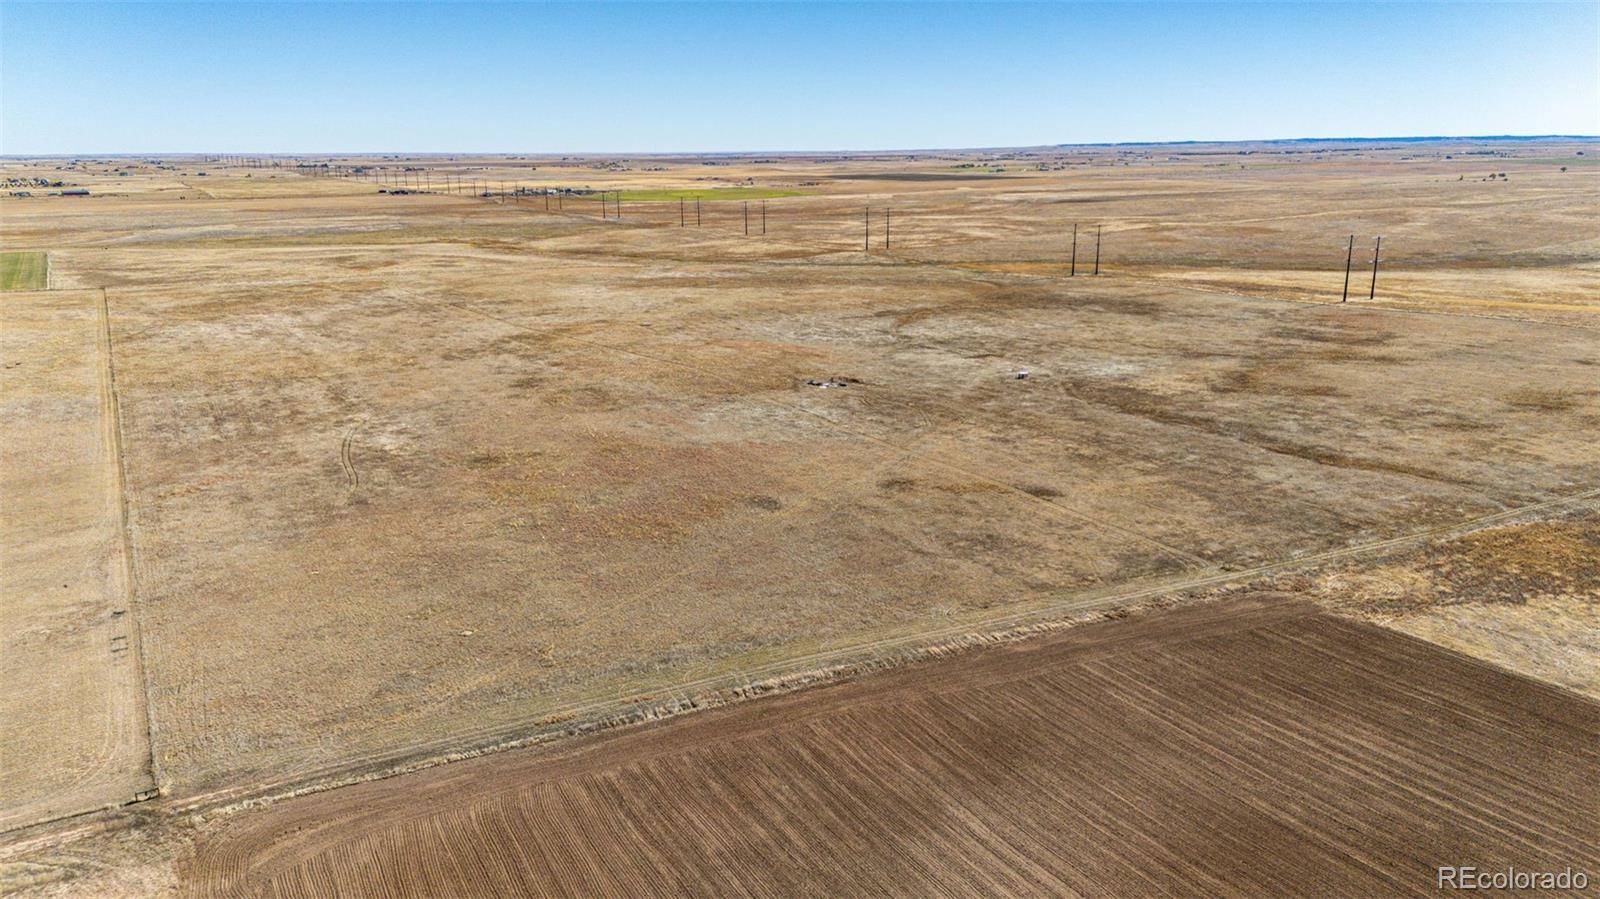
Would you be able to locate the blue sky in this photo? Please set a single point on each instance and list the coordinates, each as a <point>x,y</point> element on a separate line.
<point>347,77</point>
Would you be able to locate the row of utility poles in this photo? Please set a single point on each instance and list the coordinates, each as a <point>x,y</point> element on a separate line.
<point>1349,254</point>
<point>608,210</point>
<point>249,162</point>
<point>1072,268</point>
<point>611,207</point>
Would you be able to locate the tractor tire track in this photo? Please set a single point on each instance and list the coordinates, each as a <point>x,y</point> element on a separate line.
<point>347,462</point>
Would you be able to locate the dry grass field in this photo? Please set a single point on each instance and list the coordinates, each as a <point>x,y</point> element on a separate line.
<point>73,706</point>
<point>385,479</point>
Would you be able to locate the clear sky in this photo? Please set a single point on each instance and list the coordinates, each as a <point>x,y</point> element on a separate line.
<point>348,77</point>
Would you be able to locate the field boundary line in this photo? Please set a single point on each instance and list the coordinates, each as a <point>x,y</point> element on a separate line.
<point>584,718</point>
<point>130,575</point>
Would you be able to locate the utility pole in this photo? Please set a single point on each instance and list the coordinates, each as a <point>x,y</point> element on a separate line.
<point>697,213</point>
<point>680,212</point>
<point>1375,248</point>
<point>1073,271</point>
<point>619,205</point>
<point>866,224</point>
<point>1349,253</point>
<point>1097,249</point>
<point>886,229</point>
<point>763,217</point>
<point>746,218</point>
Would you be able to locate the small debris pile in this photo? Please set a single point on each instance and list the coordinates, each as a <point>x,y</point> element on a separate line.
<point>832,382</point>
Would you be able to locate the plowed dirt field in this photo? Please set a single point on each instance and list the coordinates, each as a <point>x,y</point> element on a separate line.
<point>1247,747</point>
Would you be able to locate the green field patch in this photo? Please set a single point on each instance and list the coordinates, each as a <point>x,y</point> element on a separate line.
<point>707,193</point>
<point>24,270</point>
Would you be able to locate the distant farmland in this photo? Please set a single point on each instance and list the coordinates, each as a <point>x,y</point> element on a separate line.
<point>26,270</point>
<point>709,193</point>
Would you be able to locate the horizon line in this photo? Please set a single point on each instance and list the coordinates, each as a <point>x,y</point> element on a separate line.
<point>817,152</point>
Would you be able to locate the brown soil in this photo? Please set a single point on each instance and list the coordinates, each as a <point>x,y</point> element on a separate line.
<point>1249,747</point>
